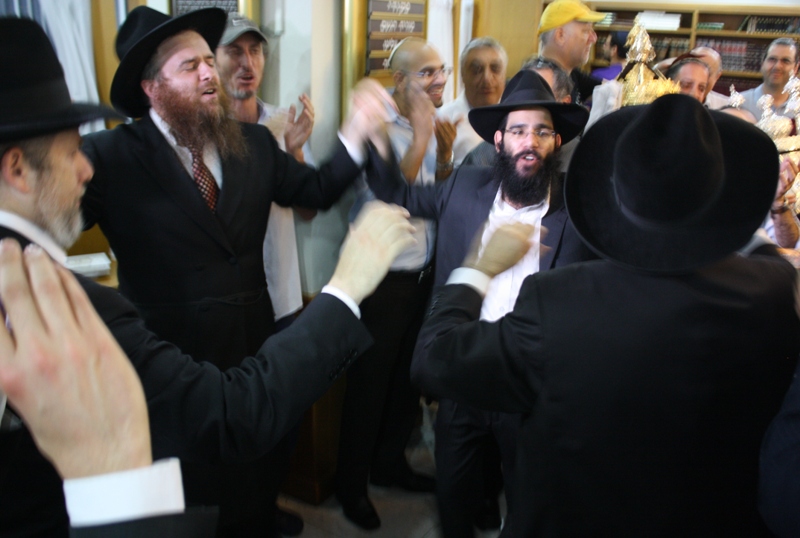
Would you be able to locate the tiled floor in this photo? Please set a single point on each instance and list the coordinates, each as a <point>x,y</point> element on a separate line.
<point>403,514</point>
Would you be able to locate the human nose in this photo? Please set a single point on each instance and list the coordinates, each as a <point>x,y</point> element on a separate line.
<point>85,168</point>
<point>247,61</point>
<point>592,36</point>
<point>206,71</point>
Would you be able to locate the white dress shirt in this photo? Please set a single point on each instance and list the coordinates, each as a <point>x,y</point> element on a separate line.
<point>504,288</point>
<point>466,137</point>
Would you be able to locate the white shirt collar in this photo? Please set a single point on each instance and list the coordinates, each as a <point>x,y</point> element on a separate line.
<point>29,230</point>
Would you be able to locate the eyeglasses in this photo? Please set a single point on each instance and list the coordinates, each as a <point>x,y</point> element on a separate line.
<point>431,73</point>
<point>542,135</point>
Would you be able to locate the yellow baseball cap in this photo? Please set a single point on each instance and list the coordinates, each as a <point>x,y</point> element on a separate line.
<point>561,12</point>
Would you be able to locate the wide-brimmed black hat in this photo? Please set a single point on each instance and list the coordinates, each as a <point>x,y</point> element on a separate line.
<point>139,37</point>
<point>34,98</point>
<point>670,186</point>
<point>527,90</point>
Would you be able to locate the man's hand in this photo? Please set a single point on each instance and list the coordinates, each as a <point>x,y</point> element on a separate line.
<point>299,129</point>
<point>64,373</point>
<point>505,248</point>
<point>422,112</point>
<point>445,131</point>
<point>786,178</point>
<point>380,233</point>
<point>371,107</point>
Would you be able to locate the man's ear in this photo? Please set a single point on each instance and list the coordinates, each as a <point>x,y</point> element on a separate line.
<point>498,140</point>
<point>15,170</point>
<point>398,77</point>
<point>558,34</point>
<point>557,141</point>
<point>148,86</point>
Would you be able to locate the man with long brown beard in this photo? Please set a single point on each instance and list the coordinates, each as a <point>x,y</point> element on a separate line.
<point>527,128</point>
<point>183,196</point>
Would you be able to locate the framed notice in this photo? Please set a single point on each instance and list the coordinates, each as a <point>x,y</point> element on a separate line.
<point>388,23</point>
<point>181,7</point>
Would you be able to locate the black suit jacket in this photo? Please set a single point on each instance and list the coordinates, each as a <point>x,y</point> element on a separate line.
<point>197,412</point>
<point>460,206</point>
<point>645,397</point>
<point>198,278</point>
<point>780,467</point>
<point>194,523</point>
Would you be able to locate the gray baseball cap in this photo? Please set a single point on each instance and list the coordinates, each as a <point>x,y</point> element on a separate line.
<point>237,25</point>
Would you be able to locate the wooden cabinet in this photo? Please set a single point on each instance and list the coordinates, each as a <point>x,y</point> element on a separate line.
<point>741,34</point>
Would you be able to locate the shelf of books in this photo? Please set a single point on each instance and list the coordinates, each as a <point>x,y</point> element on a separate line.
<point>741,34</point>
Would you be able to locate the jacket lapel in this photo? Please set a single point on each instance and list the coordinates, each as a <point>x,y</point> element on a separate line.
<point>554,221</point>
<point>159,159</point>
<point>234,173</point>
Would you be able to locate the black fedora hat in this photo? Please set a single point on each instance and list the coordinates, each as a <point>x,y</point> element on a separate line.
<point>35,98</point>
<point>526,90</point>
<point>670,186</point>
<point>137,40</point>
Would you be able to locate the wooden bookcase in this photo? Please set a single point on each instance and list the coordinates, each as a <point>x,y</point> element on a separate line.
<point>742,50</point>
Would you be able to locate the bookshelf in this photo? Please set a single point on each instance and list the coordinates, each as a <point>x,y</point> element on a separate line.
<point>741,34</point>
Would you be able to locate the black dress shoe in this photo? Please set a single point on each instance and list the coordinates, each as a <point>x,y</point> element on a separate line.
<point>361,512</point>
<point>409,481</point>
<point>288,523</point>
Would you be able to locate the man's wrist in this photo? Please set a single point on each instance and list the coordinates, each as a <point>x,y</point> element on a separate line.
<point>444,163</point>
<point>783,208</point>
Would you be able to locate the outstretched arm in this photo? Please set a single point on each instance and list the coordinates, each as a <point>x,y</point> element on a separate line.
<point>476,362</point>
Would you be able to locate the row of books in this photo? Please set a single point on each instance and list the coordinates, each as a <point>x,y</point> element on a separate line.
<point>651,20</point>
<point>777,25</point>
<point>724,83</point>
<point>737,55</point>
<point>669,47</point>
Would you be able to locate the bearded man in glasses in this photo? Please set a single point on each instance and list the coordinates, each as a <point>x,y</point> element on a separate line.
<point>527,129</point>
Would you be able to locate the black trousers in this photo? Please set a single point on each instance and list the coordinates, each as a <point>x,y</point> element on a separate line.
<point>245,493</point>
<point>464,436</point>
<point>380,405</point>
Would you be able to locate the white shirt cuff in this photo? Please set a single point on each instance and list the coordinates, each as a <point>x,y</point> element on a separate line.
<point>472,278</point>
<point>356,153</point>
<point>127,495</point>
<point>342,296</point>
<point>759,239</point>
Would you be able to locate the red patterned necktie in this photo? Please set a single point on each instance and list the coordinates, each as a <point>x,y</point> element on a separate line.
<point>209,189</point>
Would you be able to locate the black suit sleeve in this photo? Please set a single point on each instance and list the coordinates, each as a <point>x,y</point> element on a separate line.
<point>194,523</point>
<point>199,413</point>
<point>298,184</point>
<point>780,467</point>
<point>490,365</point>
<point>422,200</point>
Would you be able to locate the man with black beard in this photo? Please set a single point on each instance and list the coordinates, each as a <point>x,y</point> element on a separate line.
<point>183,196</point>
<point>527,129</point>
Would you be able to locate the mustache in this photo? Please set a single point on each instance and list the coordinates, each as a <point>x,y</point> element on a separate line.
<point>526,152</point>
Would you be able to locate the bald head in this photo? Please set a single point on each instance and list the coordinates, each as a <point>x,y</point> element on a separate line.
<point>413,59</point>
<point>713,60</point>
<point>405,53</point>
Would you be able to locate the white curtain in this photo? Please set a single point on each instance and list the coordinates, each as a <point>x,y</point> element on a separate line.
<point>69,25</point>
<point>465,29</point>
<point>440,35</point>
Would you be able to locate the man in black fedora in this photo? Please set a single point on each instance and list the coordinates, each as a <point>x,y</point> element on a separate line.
<point>197,412</point>
<point>647,378</point>
<point>183,196</point>
<point>527,129</point>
